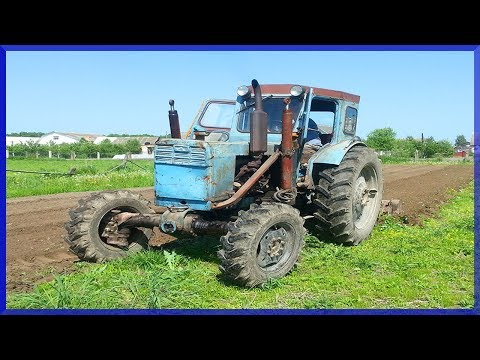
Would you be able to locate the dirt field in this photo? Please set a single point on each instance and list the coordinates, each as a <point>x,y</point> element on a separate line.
<point>36,250</point>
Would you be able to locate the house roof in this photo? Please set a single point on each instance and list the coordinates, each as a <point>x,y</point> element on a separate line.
<point>75,136</point>
<point>141,139</point>
<point>98,138</point>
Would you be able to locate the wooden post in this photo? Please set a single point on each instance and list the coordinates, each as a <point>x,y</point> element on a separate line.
<point>98,155</point>
<point>49,154</point>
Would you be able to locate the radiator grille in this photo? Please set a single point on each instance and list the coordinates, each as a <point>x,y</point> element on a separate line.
<point>180,155</point>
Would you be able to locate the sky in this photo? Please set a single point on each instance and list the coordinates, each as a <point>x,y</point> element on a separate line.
<point>103,92</point>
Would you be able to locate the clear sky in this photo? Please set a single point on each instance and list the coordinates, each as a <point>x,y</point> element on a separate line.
<point>104,92</point>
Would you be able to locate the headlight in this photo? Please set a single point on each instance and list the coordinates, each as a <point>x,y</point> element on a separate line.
<point>296,90</point>
<point>243,91</point>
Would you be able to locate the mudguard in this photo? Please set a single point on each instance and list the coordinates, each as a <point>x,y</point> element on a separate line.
<point>332,153</point>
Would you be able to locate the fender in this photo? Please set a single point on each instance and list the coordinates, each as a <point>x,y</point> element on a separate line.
<point>332,154</point>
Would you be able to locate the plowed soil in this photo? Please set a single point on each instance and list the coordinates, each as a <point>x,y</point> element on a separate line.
<point>36,250</point>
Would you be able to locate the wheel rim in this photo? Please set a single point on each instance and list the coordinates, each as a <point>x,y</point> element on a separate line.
<point>365,197</point>
<point>275,247</point>
<point>105,220</point>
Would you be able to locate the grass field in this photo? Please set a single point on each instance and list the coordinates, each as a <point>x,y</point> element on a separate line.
<point>90,175</point>
<point>399,266</point>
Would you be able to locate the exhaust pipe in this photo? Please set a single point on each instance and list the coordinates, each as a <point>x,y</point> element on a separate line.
<point>258,123</point>
<point>287,147</point>
<point>174,122</point>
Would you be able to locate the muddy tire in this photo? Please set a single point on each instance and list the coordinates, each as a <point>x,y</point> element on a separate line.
<point>263,243</point>
<point>348,197</point>
<point>89,219</point>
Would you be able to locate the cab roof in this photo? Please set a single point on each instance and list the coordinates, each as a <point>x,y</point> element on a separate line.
<point>282,89</point>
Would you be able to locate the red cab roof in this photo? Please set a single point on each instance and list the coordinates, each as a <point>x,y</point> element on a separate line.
<point>285,89</point>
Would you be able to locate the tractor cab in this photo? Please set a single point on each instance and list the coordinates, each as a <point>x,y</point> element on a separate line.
<point>328,115</point>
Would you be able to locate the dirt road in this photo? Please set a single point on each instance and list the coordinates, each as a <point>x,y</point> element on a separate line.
<point>36,250</point>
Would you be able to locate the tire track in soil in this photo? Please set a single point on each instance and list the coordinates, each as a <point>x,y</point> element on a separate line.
<point>36,250</point>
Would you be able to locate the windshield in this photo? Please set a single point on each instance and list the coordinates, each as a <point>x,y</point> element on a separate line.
<point>274,108</point>
<point>218,114</point>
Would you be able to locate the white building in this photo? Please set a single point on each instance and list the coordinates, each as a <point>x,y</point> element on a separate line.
<point>62,138</point>
<point>15,140</point>
<point>100,138</point>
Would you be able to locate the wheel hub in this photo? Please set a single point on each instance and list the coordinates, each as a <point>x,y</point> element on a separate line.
<point>363,199</point>
<point>271,247</point>
<point>112,234</point>
<point>361,196</point>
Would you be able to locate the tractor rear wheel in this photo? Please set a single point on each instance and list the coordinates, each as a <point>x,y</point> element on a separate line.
<point>263,243</point>
<point>348,197</point>
<point>90,218</point>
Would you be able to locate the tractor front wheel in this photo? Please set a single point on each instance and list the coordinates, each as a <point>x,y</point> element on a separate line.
<point>89,219</point>
<point>263,243</point>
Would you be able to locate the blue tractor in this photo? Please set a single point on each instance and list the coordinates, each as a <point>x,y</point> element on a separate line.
<point>251,170</point>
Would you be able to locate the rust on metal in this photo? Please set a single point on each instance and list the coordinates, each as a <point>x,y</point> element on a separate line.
<point>200,135</point>
<point>392,207</point>
<point>287,147</point>
<point>249,167</point>
<point>284,89</point>
<point>258,123</point>
<point>208,180</point>
<point>249,183</point>
<point>117,230</point>
<point>174,121</point>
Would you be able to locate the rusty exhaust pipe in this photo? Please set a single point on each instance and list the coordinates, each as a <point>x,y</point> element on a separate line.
<point>258,123</point>
<point>287,147</point>
<point>174,122</point>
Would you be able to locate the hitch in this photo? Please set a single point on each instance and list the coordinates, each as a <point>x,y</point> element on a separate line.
<point>392,207</point>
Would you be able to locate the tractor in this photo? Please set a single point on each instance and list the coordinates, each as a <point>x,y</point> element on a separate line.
<point>253,171</point>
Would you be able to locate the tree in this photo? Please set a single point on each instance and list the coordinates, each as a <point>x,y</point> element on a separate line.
<point>27,134</point>
<point>107,149</point>
<point>381,139</point>
<point>130,135</point>
<point>85,148</point>
<point>133,146</point>
<point>460,141</point>
<point>445,148</point>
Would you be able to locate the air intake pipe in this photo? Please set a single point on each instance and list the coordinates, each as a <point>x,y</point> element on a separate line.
<point>174,122</point>
<point>258,123</point>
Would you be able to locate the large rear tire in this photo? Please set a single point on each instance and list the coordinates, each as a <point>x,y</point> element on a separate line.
<point>263,243</point>
<point>348,197</point>
<point>89,219</point>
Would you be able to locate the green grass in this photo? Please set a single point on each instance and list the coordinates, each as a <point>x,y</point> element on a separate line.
<point>90,175</point>
<point>430,161</point>
<point>399,266</point>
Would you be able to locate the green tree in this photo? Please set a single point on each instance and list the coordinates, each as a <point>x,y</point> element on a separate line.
<point>107,148</point>
<point>460,141</point>
<point>18,150</point>
<point>133,146</point>
<point>444,148</point>
<point>128,135</point>
<point>85,148</point>
<point>65,150</point>
<point>429,147</point>
<point>381,139</point>
<point>27,134</point>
